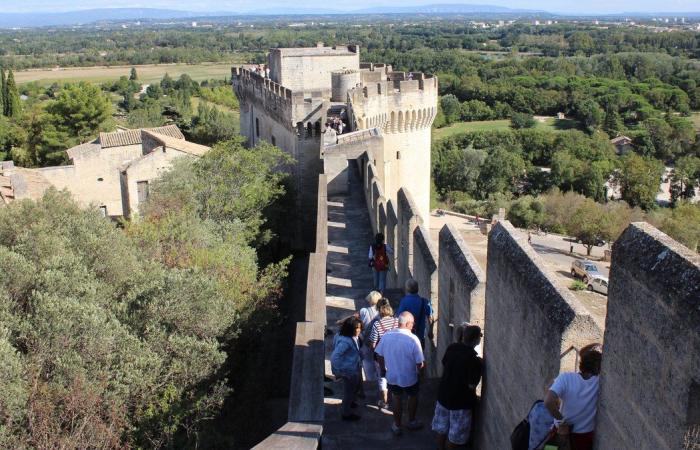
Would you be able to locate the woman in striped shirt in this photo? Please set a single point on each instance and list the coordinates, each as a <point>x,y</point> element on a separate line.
<point>384,322</point>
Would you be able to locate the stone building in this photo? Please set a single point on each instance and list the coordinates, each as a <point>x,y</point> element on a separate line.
<point>386,113</point>
<point>111,173</point>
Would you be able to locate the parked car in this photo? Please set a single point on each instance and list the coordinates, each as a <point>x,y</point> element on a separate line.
<point>584,269</point>
<point>598,242</point>
<point>598,284</point>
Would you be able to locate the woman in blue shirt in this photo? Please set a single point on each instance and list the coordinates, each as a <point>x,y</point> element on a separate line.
<point>345,363</point>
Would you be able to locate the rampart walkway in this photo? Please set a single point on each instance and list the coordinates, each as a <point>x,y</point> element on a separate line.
<point>348,282</point>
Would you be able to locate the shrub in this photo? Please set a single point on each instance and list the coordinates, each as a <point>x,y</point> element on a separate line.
<point>578,285</point>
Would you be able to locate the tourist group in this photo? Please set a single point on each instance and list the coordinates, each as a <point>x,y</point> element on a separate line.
<point>385,346</point>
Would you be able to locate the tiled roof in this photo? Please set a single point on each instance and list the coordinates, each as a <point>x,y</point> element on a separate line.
<point>621,139</point>
<point>132,137</point>
<point>178,144</point>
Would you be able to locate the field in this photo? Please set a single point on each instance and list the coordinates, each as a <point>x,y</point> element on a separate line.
<point>147,74</point>
<point>695,117</point>
<point>543,123</point>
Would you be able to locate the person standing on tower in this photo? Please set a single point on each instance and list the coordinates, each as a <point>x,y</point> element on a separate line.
<point>379,254</point>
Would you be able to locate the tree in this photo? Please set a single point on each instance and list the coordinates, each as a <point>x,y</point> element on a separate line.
<point>133,76</point>
<point>12,136</point>
<point>211,125</point>
<point>590,114</point>
<point>639,180</point>
<point>589,224</point>
<point>167,83</point>
<point>503,171</point>
<point>13,105</point>
<point>80,109</point>
<point>522,120</point>
<point>451,108</point>
<point>3,88</point>
<point>685,178</point>
<point>527,212</point>
<point>457,169</point>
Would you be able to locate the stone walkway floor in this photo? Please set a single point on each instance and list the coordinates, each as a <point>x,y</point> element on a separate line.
<point>348,282</point>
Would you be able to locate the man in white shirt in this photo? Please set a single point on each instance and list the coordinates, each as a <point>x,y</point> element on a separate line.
<point>399,351</point>
<point>573,400</point>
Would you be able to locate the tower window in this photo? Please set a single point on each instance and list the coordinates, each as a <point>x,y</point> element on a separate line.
<point>257,127</point>
<point>398,155</point>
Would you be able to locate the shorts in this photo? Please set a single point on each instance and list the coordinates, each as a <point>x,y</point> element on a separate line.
<point>411,391</point>
<point>456,423</point>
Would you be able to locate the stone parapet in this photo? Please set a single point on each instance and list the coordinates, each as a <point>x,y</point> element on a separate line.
<point>397,104</point>
<point>650,378</point>
<point>533,328</point>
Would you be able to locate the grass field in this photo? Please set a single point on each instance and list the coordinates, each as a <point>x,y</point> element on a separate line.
<point>543,123</point>
<point>695,117</point>
<point>147,74</point>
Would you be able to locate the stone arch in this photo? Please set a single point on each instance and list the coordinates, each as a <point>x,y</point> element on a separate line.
<point>401,122</point>
<point>414,120</point>
<point>392,123</point>
<point>309,129</point>
<point>317,128</point>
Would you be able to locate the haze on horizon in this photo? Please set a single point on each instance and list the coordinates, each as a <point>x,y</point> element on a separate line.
<point>233,6</point>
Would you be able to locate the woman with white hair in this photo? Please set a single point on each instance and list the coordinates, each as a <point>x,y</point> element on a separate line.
<point>367,315</point>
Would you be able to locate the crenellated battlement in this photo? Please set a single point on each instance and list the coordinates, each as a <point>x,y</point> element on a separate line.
<point>288,107</point>
<point>403,102</point>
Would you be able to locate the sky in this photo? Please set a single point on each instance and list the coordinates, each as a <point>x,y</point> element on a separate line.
<point>557,6</point>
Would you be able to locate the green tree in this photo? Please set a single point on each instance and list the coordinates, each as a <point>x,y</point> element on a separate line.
<point>211,125</point>
<point>12,136</point>
<point>3,89</point>
<point>81,110</point>
<point>451,108</point>
<point>589,224</point>
<point>522,120</point>
<point>527,212</point>
<point>590,114</point>
<point>133,76</point>
<point>639,180</point>
<point>13,105</point>
<point>685,178</point>
<point>503,171</point>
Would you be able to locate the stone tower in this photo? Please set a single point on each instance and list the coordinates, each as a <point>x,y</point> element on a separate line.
<point>403,106</point>
<point>386,114</point>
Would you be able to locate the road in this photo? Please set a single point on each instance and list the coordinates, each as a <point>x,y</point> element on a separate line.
<point>553,248</point>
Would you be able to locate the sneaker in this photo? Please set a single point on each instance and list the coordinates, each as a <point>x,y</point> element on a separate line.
<point>381,404</point>
<point>414,425</point>
<point>396,430</point>
<point>351,417</point>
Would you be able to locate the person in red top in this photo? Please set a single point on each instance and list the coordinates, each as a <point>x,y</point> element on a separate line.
<point>379,254</point>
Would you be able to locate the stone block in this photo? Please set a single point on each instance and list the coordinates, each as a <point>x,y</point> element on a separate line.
<point>531,322</point>
<point>649,395</point>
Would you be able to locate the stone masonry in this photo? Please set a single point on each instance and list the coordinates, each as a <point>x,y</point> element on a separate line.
<point>650,388</point>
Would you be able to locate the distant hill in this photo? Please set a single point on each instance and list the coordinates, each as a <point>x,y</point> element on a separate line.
<point>42,19</point>
<point>440,9</point>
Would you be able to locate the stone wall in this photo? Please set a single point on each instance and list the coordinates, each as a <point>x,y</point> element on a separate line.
<point>425,272</point>
<point>462,288</point>
<point>533,325</point>
<point>408,220</point>
<point>305,69</point>
<point>404,110</point>
<point>650,383</point>
<point>305,415</point>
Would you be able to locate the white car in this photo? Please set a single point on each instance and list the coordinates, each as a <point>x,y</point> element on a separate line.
<point>598,284</point>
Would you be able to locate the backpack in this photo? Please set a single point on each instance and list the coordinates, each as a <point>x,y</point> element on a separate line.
<point>520,437</point>
<point>381,260</point>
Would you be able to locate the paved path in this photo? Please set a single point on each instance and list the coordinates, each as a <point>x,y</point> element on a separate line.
<point>348,282</point>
